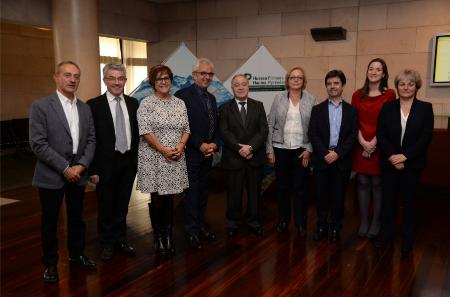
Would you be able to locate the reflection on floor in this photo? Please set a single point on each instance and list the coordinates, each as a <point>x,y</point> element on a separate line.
<point>247,265</point>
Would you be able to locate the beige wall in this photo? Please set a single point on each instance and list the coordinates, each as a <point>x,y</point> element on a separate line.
<point>27,57</point>
<point>27,65</point>
<point>229,31</point>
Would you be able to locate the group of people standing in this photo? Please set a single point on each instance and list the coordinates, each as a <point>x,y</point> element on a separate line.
<point>382,139</point>
<point>169,141</point>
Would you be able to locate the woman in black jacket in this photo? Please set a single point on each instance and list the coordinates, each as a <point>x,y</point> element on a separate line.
<point>405,129</point>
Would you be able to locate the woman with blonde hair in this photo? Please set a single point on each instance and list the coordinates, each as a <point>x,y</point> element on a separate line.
<point>289,148</point>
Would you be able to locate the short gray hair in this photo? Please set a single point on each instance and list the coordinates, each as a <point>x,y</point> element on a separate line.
<point>202,61</point>
<point>408,74</point>
<point>114,66</point>
<point>238,75</point>
<point>58,67</point>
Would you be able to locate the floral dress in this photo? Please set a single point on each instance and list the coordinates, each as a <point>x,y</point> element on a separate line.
<point>168,120</point>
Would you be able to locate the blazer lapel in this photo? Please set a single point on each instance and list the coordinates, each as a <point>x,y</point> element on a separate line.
<point>105,106</point>
<point>343,120</point>
<point>57,106</point>
<point>411,116</point>
<point>396,122</point>
<point>250,112</point>
<point>82,124</point>
<point>130,117</point>
<point>327,123</point>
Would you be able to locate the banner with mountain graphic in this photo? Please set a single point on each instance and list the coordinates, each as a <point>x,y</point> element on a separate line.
<point>265,76</point>
<point>181,62</point>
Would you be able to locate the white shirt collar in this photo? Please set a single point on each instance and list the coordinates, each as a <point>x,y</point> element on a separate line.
<point>64,99</point>
<point>237,101</point>
<point>111,97</point>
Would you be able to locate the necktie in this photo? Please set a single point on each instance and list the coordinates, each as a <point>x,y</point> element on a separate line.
<point>210,116</point>
<point>121,135</point>
<point>243,112</point>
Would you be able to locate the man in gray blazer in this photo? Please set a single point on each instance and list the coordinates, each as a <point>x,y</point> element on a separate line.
<point>62,136</point>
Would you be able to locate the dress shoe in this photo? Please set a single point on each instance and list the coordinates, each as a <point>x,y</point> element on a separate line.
<point>282,227</point>
<point>126,249</point>
<point>335,235</point>
<point>381,243</point>
<point>371,235</point>
<point>362,235</point>
<point>232,232</point>
<point>206,234</point>
<point>256,230</point>
<point>320,234</point>
<point>50,274</point>
<point>107,253</point>
<point>301,231</point>
<point>194,242</point>
<point>83,262</point>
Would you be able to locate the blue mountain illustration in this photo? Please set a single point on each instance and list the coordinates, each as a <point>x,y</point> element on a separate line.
<point>216,88</point>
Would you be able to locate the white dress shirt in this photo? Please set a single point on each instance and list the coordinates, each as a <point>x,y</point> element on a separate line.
<point>293,129</point>
<point>71,112</point>
<point>112,105</point>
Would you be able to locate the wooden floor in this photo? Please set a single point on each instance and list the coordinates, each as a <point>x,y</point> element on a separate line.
<point>275,265</point>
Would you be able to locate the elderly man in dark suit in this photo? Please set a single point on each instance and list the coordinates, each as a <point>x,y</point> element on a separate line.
<point>243,129</point>
<point>115,163</point>
<point>202,144</point>
<point>62,137</point>
<point>333,130</point>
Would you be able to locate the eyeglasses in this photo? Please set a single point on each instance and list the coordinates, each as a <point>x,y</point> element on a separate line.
<point>114,79</point>
<point>204,74</point>
<point>163,79</point>
<point>296,77</point>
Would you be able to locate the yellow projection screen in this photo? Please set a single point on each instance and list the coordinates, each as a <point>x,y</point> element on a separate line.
<point>440,64</point>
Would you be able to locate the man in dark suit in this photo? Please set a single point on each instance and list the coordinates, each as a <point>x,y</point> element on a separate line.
<point>243,129</point>
<point>333,131</point>
<point>62,137</point>
<point>202,144</point>
<point>115,163</point>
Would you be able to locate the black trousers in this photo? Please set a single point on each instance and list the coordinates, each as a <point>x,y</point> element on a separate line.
<point>235,180</point>
<point>291,177</point>
<point>404,182</point>
<point>113,197</point>
<point>51,201</point>
<point>196,196</point>
<point>331,184</point>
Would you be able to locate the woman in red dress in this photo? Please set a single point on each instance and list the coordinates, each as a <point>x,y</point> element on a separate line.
<point>368,101</point>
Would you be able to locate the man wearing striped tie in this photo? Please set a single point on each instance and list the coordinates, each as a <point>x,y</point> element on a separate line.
<point>115,162</point>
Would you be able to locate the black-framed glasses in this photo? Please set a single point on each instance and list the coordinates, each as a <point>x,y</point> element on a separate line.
<point>114,79</point>
<point>163,79</point>
<point>204,74</point>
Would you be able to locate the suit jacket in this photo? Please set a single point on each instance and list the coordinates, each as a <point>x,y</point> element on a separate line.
<point>106,136</point>
<point>319,135</point>
<point>277,118</point>
<point>198,121</point>
<point>51,142</point>
<point>417,137</point>
<point>233,132</point>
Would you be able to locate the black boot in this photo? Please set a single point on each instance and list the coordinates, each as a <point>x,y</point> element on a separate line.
<point>155,215</point>
<point>168,223</point>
